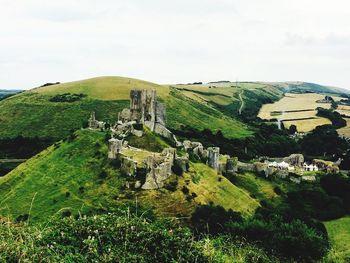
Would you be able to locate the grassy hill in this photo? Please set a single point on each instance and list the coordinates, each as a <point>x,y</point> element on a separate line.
<point>215,106</point>
<point>75,176</point>
<point>241,99</point>
<point>36,113</point>
<point>299,86</point>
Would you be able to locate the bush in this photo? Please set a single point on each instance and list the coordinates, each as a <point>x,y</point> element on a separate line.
<point>177,169</point>
<point>213,219</point>
<point>66,213</point>
<point>339,186</point>
<point>314,203</point>
<point>292,240</point>
<point>171,186</point>
<point>185,190</point>
<point>333,116</point>
<point>277,190</point>
<point>67,97</point>
<point>103,174</point>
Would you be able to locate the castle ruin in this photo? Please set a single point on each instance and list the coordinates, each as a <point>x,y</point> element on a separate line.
<point>145,109</point>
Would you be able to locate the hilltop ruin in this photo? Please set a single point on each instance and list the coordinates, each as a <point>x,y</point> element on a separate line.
<point>149,170</point>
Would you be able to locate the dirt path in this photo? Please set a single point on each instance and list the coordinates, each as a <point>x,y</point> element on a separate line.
<point>12,160</point>
<point>242,103</point>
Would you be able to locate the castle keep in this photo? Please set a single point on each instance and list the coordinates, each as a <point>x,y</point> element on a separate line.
<point>145,109</point>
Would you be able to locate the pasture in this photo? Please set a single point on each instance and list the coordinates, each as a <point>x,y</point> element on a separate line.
<point>297,109</point>
<point>344,110</point>
<point>346,130</point>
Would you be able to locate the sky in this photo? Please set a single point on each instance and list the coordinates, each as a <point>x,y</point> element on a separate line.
<point>170,42</point>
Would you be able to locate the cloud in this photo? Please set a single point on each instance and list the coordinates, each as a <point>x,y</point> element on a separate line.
<point>174,41</point>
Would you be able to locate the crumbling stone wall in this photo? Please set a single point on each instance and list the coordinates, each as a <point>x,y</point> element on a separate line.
<point>115,147</point>
<point>95,124</point>
<point>296,159</point>
<point>213,157</point>
<point>160,169</point>
<point>128,166</point>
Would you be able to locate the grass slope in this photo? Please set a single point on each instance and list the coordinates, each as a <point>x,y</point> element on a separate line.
<point>103,88</point>
<point>231,98</point>
<point>32,113</point>
<point>62,176</point>
<point>339,233</point>
<point>75,175</point>
<point>204,186</point>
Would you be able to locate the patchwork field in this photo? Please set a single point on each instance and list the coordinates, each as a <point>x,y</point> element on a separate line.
<point>346,130</point>
<point>344,110</point>
<point>297,109</point>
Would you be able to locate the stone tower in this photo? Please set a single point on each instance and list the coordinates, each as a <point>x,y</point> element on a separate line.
<point>92,120</point>
<point>115,146</point>
<point>148,114</point>
<point>213,157</point>
<point>143,107</point>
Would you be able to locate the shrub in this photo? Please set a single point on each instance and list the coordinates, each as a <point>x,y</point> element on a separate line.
<point>177,169</point>
<point>67,97</point>
<point>22,218</point>
<point>213,219</point>
<point>66,213</point>
<point>103,174</point>
<point>288,239</point>
<point>171,186</point>
<point>277,190</point>
<point>185,190</point>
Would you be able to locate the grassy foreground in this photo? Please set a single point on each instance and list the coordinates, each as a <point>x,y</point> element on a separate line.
<point>121,236</point>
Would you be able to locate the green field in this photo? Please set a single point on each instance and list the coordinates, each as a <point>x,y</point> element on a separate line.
<point>339,234</point>
<point>104,88</point>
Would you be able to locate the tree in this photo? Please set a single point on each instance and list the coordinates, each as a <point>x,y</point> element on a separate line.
<point>293,129</point>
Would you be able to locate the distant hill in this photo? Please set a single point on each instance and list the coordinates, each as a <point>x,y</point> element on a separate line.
<point>299,86</point>
<point>6,93</point>
<point>52,111</point>
<point>35,112</point>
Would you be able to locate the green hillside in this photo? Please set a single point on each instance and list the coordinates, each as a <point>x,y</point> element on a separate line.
<point>40,112</point>
<point>235,99</point>
<point>75,176</point>
<point>103,88</point>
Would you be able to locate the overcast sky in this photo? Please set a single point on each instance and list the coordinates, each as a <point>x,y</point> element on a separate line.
<point>174,41</point>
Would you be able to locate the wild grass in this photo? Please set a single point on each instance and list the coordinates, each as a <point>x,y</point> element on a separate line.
<point>104,88</point>
<point>120,236</point>
<point>339,233</point>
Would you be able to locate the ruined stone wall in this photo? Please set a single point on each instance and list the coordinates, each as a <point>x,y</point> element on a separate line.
<point>213,157</point>
<point>115,146</point>
<point>160,169</point>
<point>128,166</point>
<point>160,113</point>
